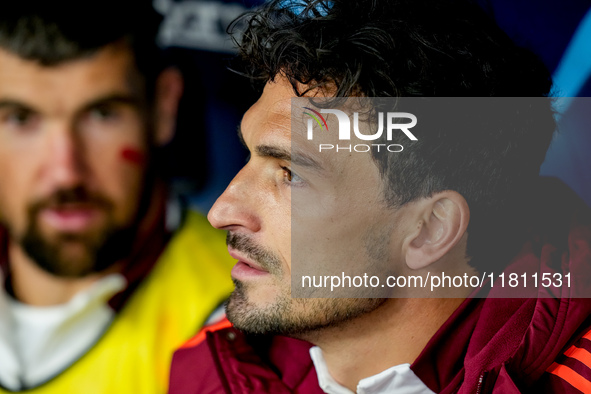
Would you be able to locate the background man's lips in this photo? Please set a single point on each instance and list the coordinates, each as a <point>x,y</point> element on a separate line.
<point>69,219</point>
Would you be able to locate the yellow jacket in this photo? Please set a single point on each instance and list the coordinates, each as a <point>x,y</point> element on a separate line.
<point>189,280</point>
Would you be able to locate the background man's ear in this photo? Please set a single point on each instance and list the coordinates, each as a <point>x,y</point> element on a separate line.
<point>442,222</point>
<point>169,89</point>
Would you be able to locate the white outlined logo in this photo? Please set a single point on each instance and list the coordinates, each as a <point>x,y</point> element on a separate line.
<point>344,132</point>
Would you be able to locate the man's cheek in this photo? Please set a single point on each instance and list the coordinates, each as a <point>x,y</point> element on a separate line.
<point>133,156</point>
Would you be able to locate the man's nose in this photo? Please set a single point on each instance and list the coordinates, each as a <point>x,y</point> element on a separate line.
<point>236,208</point>
<point>64,163</point>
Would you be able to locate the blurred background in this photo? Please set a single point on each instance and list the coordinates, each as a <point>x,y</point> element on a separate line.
<point>205,153</point>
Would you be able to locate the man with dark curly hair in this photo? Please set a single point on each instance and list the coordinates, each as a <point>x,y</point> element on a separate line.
<point>454,193</point>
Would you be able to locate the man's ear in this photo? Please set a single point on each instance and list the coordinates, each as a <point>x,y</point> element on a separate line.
<point>442,221</point>
<point>169,89</point>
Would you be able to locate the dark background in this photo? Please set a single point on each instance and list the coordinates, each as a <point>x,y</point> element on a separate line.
<point>205,153</point>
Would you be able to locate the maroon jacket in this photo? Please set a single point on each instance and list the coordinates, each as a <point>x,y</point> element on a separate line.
<point>500,345</point>
<point>220,359</point>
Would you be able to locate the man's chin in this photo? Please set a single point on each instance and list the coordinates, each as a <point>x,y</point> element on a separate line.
<point>67,255</point>
<point>299,318</point>
<point>64,262</point>
<point>275,316</point>
<point>250,317</point>
<point>75,252</point>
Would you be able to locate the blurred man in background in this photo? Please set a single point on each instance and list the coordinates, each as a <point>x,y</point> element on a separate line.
<point>103,275</point>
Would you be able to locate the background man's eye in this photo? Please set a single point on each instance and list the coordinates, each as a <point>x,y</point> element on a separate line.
<point>103,113</point>
<point>19,117</point>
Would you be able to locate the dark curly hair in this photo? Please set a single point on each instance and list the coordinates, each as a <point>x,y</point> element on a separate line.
<point>53,32</point>
<point>422,48</point>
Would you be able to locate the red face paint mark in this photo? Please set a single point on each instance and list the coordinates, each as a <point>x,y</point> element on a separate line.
<point>133,156</point>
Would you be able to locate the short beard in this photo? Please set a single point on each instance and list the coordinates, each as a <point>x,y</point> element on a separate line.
<point>101,248</point>
<point>295,317</point>
<point>100,251</point>
<point>301,318</point>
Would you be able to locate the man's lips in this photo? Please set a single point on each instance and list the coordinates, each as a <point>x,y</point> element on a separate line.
<point>245,268</point>
<point>70,218</point>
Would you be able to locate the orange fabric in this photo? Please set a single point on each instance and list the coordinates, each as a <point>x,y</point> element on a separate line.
<point>200,337</point>
<point>571,377</point>
<point>579,354</point>
<point>588,335</point>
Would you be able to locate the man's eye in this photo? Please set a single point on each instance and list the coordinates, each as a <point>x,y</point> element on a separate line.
<point>103,113</point>
<point>20,117</point>
<point>290,177</point>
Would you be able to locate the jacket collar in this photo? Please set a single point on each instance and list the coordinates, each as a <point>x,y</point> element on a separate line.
<point>519,337</point>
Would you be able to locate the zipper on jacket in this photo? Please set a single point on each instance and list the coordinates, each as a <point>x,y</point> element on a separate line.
<point>480,384</point>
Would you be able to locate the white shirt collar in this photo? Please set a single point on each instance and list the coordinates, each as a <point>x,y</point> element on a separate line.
<point>398,379</point>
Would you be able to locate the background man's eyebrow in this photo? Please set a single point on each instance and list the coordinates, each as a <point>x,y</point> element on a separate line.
<point>16,104</point>
<point>298,159</point>
<point>113,99</point>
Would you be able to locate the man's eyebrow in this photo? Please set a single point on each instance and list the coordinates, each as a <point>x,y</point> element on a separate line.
<point>8,103</point>
<point>298,159</point>
<point>116,98</point>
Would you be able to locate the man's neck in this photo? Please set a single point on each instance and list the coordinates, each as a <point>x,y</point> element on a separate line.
<point>394,334</point>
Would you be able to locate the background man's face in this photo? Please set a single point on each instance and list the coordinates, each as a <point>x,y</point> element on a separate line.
<point>72,145</point>
<point>330,212</point>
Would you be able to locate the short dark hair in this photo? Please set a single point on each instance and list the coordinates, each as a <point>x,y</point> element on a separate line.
<point>57,31</point>
<point>426,48</point>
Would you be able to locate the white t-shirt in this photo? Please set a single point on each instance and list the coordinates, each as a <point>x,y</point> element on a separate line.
<point>37,343</point>
<point>399,379</point>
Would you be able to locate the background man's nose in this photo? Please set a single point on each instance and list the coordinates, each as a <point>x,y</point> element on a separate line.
<point>64,161</point>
